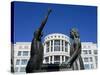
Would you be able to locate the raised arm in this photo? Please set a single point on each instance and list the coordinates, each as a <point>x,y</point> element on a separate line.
<point>44,21</point>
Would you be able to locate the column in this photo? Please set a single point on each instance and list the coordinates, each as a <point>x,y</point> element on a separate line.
<point>60,59</point>
<point>64,45</point>
<point>60,45</point>
<point>49,59</point>
<point>64,58</point>
<point>50,46</point>
<point>53,46</point>
<point>53,59</point>
<point>68,47</point>
<point>44,61</point>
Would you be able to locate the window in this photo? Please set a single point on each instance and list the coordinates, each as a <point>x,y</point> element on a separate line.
<point>91,59</point>
<point>66,45</point>
<point>19,53</point>
<point>96,58</point>
<point>57,42</point>
<point>62,42</point>
<point>24,61</point>
<point>90,52</point>
<point>17,62</point>
<point>85,59</point>
<point>66,50</point>
<point>62,48</point>
<point>57,45</point>
<point>56,58</point>
<point>51,45</point>
<point>25,53</point>
<point>85,52</point>
<point>66,58</point>
<point>16,69</point>
<point>47,49</point>
<point>47,59</point>
<point>56,48</point>
<point>22,69</point>
<point>50,58</point>
<point>91,66</point>
<point>51,48</point>
<point>86,66</point>
<point>51,42</point>
<point>47,44</point>
<point>95,52</point>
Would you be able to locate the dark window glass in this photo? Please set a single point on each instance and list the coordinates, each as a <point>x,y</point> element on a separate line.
<point>91,59</point>
<point>85,52</point>
<point>17,61</point>
<point>56,58</point>
<point>86,66</point>
<point>24,61</point>
<point>56,48</point>
<point>85,59</point>
<point>25,53</point>
<point>47,59</point>
<point>90,52</point>
<point>22,69</point>
<point>57,42</point>
<point>16,69</point>
<point>19,53</point>
<point>95,51</point>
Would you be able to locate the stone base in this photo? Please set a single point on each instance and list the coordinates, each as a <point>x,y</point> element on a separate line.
<point>52,67</point>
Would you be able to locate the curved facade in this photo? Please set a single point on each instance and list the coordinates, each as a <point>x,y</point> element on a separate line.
<point>56,48</point>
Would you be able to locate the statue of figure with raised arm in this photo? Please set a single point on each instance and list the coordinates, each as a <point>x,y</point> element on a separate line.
<point>36,53</point>
<point>75,61</point>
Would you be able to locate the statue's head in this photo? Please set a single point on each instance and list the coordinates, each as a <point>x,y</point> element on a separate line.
<point>74,33</point>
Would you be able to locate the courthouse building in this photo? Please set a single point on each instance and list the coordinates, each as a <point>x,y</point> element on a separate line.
<point>56,51</point>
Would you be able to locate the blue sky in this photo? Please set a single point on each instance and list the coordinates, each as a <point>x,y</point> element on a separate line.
<point>28,17</point>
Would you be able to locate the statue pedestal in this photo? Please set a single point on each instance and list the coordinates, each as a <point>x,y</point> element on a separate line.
<point>50,67</point>
<point>53,67</point>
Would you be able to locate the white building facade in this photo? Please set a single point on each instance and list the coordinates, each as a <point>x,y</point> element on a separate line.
<point>21,56</point>
<point>89,55</point>
<point>56,51</point>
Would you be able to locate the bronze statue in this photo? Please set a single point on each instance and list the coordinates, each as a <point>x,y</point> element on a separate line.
<point>75,61</point>
<point>36,53</point>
